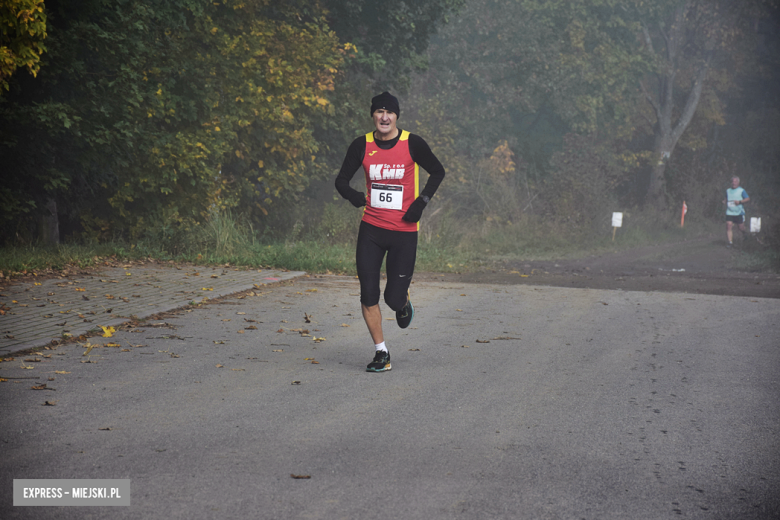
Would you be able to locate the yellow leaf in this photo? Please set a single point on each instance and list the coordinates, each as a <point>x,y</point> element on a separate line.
<point>108,331</point>
<point>260,164</point>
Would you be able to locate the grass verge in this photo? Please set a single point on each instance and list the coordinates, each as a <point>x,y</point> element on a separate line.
<point>226,242</point>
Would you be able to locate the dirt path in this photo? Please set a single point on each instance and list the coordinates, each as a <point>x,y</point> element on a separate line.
<point>700,266</point>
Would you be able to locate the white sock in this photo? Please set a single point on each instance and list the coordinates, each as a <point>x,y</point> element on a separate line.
<point>381,346</point>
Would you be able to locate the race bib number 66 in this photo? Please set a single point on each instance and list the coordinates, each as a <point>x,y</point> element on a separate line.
<point>387,196</point>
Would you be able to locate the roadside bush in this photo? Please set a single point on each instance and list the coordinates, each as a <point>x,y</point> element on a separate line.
<point>339,222</point>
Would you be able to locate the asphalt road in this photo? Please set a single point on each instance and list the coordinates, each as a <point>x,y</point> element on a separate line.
<point>521,402</point>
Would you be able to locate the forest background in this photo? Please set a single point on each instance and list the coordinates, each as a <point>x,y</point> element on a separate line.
<point>213,130</point>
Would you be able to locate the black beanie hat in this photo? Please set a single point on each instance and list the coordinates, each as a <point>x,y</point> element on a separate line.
<point>385,101</point>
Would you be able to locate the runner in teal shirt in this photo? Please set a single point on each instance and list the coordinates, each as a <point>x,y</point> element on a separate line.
<point>735,211</point>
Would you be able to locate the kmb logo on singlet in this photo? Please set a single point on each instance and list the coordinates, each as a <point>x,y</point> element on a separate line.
<point>378,172</point>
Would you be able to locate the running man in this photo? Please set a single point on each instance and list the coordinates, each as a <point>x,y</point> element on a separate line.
<point>735,211</point>
<point>391,159</point>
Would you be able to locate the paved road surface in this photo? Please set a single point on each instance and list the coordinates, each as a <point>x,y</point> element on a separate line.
<point>521,402</point>
<point>35,313</point>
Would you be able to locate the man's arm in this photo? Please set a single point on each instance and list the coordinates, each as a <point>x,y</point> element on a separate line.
<point>421,154</point>
<point>352,162</point>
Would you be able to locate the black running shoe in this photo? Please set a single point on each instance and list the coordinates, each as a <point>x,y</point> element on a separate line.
<point>380,363</point>
<point>405,315</point>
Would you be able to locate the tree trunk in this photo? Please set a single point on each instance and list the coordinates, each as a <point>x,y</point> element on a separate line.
<point>667,130</point>
<point>50,229</point>
<point>662,150</point>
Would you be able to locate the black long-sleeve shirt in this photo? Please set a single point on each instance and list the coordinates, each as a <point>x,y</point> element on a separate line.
<point>419,150</point>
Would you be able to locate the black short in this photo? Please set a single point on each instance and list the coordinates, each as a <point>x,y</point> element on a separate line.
<point>401,248</point>
<point>736,219</point>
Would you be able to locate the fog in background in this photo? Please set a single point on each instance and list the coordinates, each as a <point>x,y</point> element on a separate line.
<point>144,122</point>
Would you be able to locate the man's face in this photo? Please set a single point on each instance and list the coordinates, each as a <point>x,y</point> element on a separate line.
<point>384,121</point>
<point>735,183</point>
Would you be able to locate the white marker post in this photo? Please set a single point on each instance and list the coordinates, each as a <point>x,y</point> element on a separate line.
<point>755,225</point>
<point>617,221</point>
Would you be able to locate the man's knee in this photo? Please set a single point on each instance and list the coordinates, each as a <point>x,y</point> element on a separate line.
<point>369,298</point>
<point>369,289</point>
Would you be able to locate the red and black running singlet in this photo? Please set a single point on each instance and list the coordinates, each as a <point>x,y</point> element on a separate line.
<point>392,182</point>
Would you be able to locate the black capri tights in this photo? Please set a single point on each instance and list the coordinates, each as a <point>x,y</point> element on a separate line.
<point>401,248</point>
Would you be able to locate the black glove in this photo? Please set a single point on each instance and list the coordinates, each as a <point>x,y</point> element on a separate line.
<point>415,210</point>
<point>357,199</point>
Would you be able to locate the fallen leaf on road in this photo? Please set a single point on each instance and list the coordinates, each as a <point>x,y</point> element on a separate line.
<point>240,313</point>
<point>414,349</point>
<point>108,331</point>
<point>112,345</point>
<point>278,350</point>
<point>220,342</point>
<point>293,475</point>
<point>220,366</point>
<point>459,310</point>
<point>61,372</point>
<point>481,341</point>
<point>251,327</point>
<point>80,289</point>
<point>295,383</point>
<point>307,318</point>
<point>280,331</point>
<point>237,369</point>
<point>344,325</point>
<point>464,346</point>
<point>240,332</point>
<point>89,348</point>
<point>42,386</point>
<point>50,403</point>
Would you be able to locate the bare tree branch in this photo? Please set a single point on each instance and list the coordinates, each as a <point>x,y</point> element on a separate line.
<point>650,100</point>
<point>691,103</point>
